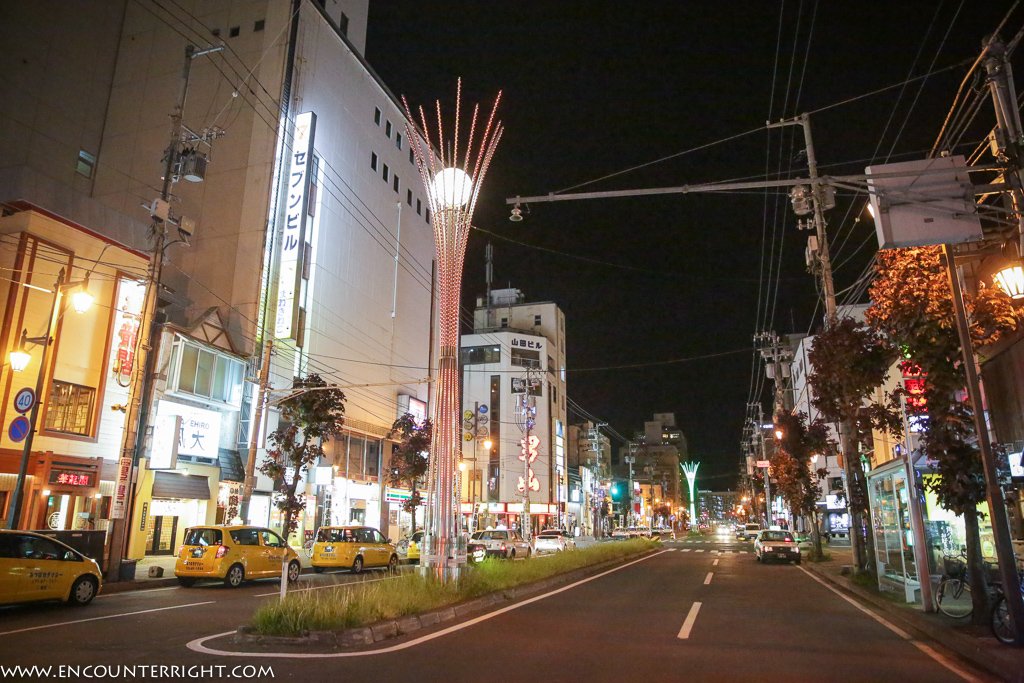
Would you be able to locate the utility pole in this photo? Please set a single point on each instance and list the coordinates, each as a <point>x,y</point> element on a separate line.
<point>527,419</point>
<point>258,406</point>
<point>821,197</point>
<point>778,358</point>
<point>148,335</point>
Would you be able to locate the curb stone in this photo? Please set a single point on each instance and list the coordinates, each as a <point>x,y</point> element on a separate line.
<point>1007,666</point>
<point>352,638</point>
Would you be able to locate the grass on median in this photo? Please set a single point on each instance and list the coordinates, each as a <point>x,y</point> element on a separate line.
<point>412,593</point>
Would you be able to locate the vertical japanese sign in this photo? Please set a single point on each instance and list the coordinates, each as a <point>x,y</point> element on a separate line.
<point>293,242</point>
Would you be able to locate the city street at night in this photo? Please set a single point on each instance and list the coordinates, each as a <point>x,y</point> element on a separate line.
<point>637,622</point>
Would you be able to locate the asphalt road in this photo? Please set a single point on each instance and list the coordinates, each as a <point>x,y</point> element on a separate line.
<point>636,623</point>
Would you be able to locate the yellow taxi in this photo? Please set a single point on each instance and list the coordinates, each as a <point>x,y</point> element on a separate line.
<point>36,567</point>
<point>352,547</point>
<point>412,547</point>
<point>233,554</point>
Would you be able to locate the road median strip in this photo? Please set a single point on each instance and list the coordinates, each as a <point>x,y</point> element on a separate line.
<point>360,635</point>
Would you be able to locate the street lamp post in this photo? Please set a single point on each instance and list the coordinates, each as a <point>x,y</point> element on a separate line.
<point>19,360</point>
<point>452,187</point>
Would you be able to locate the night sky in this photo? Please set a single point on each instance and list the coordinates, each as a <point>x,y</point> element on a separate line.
<point>596,88</point>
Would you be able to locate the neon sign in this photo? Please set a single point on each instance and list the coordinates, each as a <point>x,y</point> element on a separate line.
<point>293,241</point>
<point>68,478</point>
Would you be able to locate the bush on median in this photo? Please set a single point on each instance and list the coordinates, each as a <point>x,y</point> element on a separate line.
<point>357,604</point>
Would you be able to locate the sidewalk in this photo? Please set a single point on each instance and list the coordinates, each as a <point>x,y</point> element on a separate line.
<point>143,581</point>
<point>982,650</point>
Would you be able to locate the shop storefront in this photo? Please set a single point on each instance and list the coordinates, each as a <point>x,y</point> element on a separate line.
<point>890,498</point>
<point>508,515</point>
<point>167,503</point>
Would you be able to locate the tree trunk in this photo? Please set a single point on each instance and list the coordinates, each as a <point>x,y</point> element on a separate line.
<point>869,539</point>
<point>816,536</point>
<point>976,575</point>
<point>849,462</point>
<point>414,509</point>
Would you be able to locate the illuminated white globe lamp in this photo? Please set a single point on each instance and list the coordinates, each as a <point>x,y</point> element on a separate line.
<point>81,300</point>
<point>20,359</point>
<point>451,188</point>
<point>1011,280</point>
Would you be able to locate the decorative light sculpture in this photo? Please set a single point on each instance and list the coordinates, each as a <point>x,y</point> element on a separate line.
<point>690,469</point>
<point>452,186</point>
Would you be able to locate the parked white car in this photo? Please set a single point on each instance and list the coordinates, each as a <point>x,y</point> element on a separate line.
<point>503,543</point>
<point>553,541</point>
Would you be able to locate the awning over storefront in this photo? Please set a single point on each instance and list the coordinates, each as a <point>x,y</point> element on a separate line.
<point>173,485</point>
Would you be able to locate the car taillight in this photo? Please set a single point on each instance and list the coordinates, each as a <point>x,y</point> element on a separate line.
<point>502,547</point>
<point>181,551</point>
<point>221,551</point>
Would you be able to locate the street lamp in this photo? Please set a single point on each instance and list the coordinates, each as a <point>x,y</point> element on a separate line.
<point>452,185</point>
<point>1011,280</point>
<point>20,359</point>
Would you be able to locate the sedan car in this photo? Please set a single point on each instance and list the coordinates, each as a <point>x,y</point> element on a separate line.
<point>234,554</point>
<point>36,567</point>
<point>503,543</point>
<point>748,531</point>
<point>776,545</point>
<point>553,541</point>
<point>620,533</point>
<point>410,547</point>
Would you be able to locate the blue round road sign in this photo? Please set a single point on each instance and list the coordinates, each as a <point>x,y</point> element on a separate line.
<point>24,400</point>
<point>482,408</point>
<point>18,429</point>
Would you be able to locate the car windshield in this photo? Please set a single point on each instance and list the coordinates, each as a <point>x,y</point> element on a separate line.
<point>753,527</point>
<point>777,536</point>
<point>203,537</point>
<point>490,536</point>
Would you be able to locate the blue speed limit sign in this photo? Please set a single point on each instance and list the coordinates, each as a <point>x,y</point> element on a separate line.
<point>24,400</point>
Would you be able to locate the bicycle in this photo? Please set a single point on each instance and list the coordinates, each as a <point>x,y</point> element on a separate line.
<point>953,597</point>
<point>1002,629</point>
<point>307,548</point>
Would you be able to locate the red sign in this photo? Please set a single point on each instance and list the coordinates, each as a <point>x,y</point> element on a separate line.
<point>914,381</point>
<point>128,335</point>
<point>69,478</point>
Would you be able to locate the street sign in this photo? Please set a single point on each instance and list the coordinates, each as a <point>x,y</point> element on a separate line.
<point>18,429</point>
<point>24,400</point>
<point>673,518</point>
<point>763,463</point>
<point>482,408</point>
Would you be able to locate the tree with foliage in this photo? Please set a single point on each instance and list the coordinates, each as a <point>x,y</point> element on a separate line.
<point>410,459</point>
<point>913,307</point>
<point>309,419</point>
<point>850,362</point>
<point>796,481</point>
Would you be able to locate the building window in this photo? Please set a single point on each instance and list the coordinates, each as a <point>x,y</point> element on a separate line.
<point>475,355</point>
<point>69,410</point>
<point>536,320</point>
<point>428,214</point>
<point>419,206</point>
<point>86,163</point>
<point>259,25</point>
<point>387,173</point>
<point>205,373</point>
<point>525,358</point>
<point>387,128</point>
<point>412,159</point>
<point>373,160</point>
<point>376,115</point>
<point>408,197</point>
<point>343,24</point>
<point>395,183</point>
<point>398,140</point>
<point>235,30</point>
<point>504,322</point>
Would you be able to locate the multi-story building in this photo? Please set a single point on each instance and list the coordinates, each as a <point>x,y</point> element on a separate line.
<point>303,222</point>
<point>513,371</point>
<point>718,506</point>
<point>589,462</point>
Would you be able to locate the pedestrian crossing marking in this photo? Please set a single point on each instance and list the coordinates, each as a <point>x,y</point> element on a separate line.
<point>685,550</point>
<point>701,550</point>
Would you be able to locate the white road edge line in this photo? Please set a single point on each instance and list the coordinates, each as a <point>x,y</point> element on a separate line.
<point>684,632</point>
<point>707,579</point>
<point>197,644</point>
<point>146,590</point>
<point>109,616</point>
<point>715,563</point>
<point>941,659</point>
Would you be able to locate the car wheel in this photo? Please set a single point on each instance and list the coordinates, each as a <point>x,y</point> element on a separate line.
<point>235,576</point>
<point>83,591</point>
<point>186,581</point>
<point>357,564</point>
<point>294,568</point>
<point>318,570</point>
<point>393,564</point>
